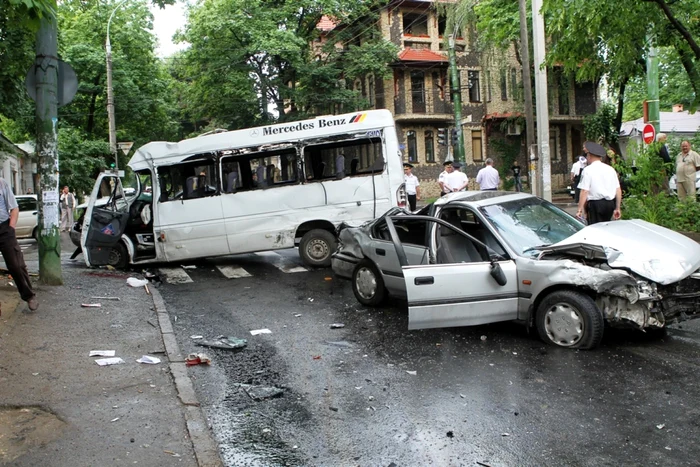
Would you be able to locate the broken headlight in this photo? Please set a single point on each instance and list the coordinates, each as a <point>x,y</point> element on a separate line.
<point>647,290</point>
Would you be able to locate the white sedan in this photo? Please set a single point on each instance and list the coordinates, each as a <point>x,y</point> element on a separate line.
<point>28,214</point>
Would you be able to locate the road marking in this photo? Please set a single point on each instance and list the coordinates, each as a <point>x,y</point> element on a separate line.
<point>175,275</point>
<point>283,263</point>
<point>233,272</point>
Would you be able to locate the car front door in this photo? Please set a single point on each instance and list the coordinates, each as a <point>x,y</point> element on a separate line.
<point>461,289</point>
<point>105,219</point>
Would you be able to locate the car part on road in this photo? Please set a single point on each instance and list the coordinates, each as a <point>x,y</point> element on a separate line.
<point>223,342</point>
<point>568,318</point>
<point>367,284</point>
<point>316,248</point>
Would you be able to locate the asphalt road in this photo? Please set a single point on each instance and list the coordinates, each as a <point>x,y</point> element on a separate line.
<point>375,394</point>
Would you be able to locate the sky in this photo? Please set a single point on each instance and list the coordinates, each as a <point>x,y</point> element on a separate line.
<point>165,23</point>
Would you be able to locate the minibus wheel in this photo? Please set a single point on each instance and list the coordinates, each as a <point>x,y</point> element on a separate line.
<point>316,248</point>
<point>118,257</point>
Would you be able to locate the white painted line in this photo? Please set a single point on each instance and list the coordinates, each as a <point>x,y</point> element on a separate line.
<point>233,272</point>
<point>175,275</point>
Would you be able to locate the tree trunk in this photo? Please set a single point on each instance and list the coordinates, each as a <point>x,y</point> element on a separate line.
<point>618,117</point>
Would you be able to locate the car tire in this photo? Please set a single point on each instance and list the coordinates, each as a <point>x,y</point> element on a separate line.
<point>316,248</point>
<point>118,257</point>
<point>368,284</point>
<point>571,319</point>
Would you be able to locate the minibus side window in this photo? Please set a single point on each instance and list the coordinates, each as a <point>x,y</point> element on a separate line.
<point>196,179</point>
<point>259,171</point>
<point>340,159</point>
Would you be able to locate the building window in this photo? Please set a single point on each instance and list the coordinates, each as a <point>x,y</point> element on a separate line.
<point>412,148</point>
<point>418,91</point>
<point>488,86</point>
<point>477,155</point>
<point>415,25</point>
<point>514,83</point>
<point>504,83</point>
<point>429,147</point>
<point>474,86</point>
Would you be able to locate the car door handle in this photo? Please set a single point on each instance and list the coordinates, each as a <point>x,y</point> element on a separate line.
<point>35,213</point>
<point>424,280</point>
<point>381,252</point>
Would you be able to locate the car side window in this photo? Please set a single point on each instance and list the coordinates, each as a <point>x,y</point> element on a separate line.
<point>26,204</point>
<point>411,232</point>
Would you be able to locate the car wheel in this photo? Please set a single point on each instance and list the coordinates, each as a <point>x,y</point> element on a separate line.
<point>568,318</point>
<point>35,234</point>
<point>316,248</point>
<point>118,256</point>
<point>367,284</point>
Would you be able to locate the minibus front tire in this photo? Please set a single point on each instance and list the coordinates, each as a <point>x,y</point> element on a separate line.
<point>316,247</point>
<point>118,257</point>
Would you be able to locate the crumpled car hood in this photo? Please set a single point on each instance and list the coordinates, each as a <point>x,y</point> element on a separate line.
<point>655,253</point>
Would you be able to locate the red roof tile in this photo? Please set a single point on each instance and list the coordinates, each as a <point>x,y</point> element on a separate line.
<point>327,23</point>
<point>420,55</point>
<point>496,116</point>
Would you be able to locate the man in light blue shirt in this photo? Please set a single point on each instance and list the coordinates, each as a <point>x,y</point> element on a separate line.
<point>11,251</point>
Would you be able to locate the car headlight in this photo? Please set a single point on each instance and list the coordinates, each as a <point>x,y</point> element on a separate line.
<point>647,290</point>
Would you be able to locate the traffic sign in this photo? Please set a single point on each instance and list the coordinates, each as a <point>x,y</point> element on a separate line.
<point>649,133</point>
<point>125,147</point>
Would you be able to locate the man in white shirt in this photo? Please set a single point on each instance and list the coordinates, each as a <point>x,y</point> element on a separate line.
<point>456,180</point>
<point>488,178</point>
<point>412,185</point>
<point>576,171</point>
<point>442,179</point>
<point>600,188</point>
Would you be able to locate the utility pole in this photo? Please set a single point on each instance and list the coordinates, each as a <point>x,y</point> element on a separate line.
<point>527,84</point>
<point>110,94</point>
<point>653,86</point>
<point>541,101</point>
<point>456,99</point>
<point>46,143</point>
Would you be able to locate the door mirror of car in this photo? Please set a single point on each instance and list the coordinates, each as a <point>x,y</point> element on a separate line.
<point>498,274</point>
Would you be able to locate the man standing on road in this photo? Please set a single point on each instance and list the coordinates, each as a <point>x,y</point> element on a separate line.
<point>516,176</point>
<point>576,172</point>
<point>457,180</point>
<point>600,189</point>
<point>488,178</point>
<point>412,185</point>
<point>687,163</point>
<point>67,206</point>
<point>442,179</point>
<point>11,251</point>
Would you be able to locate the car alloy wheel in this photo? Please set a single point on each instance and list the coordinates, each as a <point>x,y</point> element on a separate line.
<point>366,283</point>
<point>571,319</point>
<point>564,324</point>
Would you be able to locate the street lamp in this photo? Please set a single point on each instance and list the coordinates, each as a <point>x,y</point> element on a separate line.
<point>110,94</point>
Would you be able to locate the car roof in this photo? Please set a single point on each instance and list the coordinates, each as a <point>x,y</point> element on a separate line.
<point>25,196</point>
<point>481,198</point>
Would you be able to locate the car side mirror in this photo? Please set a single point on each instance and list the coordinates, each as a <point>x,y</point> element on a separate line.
<point>498,274</point>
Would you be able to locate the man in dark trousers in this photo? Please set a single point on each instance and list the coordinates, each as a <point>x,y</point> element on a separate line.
<point>11,251</point>
<point>600,188</point>
<point>516,176</point>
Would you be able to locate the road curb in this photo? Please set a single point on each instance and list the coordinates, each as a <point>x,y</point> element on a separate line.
<point>205,448</point>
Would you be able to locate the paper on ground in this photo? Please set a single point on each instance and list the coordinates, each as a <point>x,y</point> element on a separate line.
<point>91,305</point>
<point>148,359</point>
<point>102,353</point>
<point>260,331</point>
<point>109,361</point>
<point>134,282</point>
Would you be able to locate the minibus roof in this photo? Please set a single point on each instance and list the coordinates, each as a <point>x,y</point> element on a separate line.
<point>164,153</point>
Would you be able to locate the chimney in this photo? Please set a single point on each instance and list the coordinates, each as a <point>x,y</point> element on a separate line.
<point>678,107</point>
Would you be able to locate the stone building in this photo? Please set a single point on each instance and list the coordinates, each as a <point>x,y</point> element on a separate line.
<point>419,96</point>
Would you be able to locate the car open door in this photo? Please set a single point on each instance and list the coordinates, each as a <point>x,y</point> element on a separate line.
<point>463,291</point>
<point>105,219</point>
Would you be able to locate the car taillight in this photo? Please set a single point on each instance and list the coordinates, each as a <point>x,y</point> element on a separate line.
<point>401,197</point>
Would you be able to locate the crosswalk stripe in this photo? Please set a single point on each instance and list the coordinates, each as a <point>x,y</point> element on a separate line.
<point>282,263</point>
<point>175,275</point>
<point>233,272</point>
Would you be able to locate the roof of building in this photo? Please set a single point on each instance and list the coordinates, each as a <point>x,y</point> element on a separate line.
<point>8,147</point>
<point>671,122</point>
<point>420,55</point>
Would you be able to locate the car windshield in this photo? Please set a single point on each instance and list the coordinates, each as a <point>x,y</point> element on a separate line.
<point>529,223</point>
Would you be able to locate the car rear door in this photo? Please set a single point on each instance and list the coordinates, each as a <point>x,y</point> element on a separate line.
<point>105,219</point>
<point>457,293</point>
<point>27,220</point>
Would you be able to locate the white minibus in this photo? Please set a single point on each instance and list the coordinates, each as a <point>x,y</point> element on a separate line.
<point>265,188</point>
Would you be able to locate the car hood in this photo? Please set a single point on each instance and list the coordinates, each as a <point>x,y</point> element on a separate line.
<point>655,253</point>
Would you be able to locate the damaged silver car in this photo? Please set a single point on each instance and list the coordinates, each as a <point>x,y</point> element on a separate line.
<point>480,257</point>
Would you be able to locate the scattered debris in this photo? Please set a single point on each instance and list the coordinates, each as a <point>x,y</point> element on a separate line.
<point>414,373</point>
<point>450,434</point>
<point>327,278</point>
<point>223,342</point>
<point>91,305</point>
<point>483,338</point>
<point>337,326</point>
<point>483,464</point>
<point>197,359</point>
<point>661,427</point>
<point>148,291</point>
<point>105,298</point>
<point>311,299</point>
<point>102,353</point>
<point>174,454</point>
<point>134,282</point>
<point>149,360</point>
<point>505,434</point>
<point>109,361</point>
<point>316,357</point>
<point>114,419</point>
<point>189,266</point>
<point>35,374</point>
<point>255,332</point>
<point>462,396</point>
<point>298,315</point>
<point>334,409</point>
<point>196,336</point>
<point>259,393</point>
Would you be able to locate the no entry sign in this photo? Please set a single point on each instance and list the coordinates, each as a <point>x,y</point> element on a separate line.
<point>649,133</point>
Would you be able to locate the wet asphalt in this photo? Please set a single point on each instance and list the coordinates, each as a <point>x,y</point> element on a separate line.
<point>375,394</point>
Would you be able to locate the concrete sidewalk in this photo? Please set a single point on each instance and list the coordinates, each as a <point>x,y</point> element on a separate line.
<point>59,408</point>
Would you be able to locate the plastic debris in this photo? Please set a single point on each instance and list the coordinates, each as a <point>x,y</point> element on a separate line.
<point>297,315</point>
<point>255,332</point>
<point>259,393</point>
<point>102,353</point>
<point>91,305</point>
<point>316,357</point>
<point>414,373</point>
<point>337,326</point>
<point>197,359</point>
<point>661,427</point>
<point>223,342</point>
<point>114,419</point>
<point>334,409</point>
<point>109,361</point>
<point>134,282</point>
<point>311,299</point>
<point>196,336</point>
<point>505,434</point>
<point>189,266</point>
<point>149,360</point>
<point>483,338</point>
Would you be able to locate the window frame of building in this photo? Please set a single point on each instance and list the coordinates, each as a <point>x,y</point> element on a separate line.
<point>504,85</point>
<point>415,21</point>
<point>514,83</point>
<point>429,146</point>
<point>488,86</point>
<point>477,146</point>
<point>474,86</point>
<point>411,146</point>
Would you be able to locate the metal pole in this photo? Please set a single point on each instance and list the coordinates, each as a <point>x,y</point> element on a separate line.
<point>46,144</point>
<point>456,98</point>
<point>527,85</point>
<point>653,86</point>
<point>541,99</point>
<point>110,94</point>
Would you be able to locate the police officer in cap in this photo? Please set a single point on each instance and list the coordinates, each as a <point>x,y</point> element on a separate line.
<point>600,188</point>
<point>412,185</point>
<point>442,179</point>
